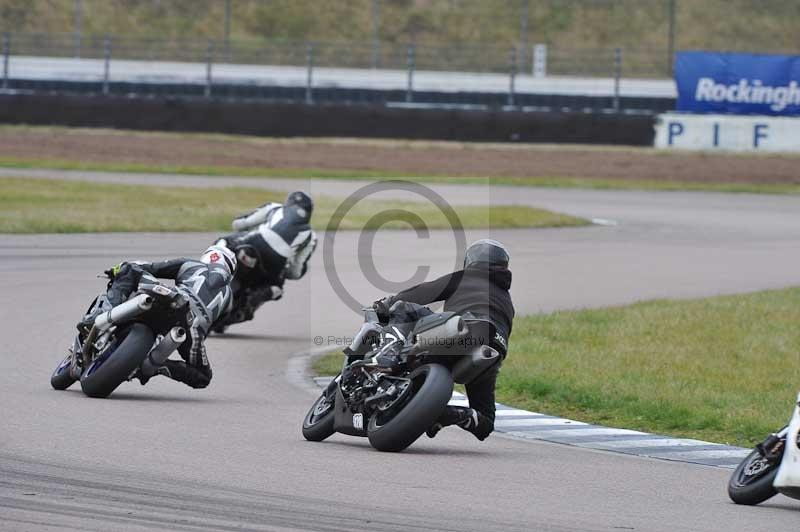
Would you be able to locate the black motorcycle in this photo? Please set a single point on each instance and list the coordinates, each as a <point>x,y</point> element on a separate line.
<point>130,340</point>
<point>403,383</point>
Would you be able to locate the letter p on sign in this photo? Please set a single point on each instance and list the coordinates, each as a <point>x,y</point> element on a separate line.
<point>675,129</point>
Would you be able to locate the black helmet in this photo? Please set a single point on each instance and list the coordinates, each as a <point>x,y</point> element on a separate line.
<point>302,203</point>
<point>486,252</point>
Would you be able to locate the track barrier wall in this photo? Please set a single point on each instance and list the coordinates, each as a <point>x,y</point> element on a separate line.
<point>277,119</point>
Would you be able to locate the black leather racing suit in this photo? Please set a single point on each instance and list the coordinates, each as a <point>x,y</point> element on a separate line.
<point>273,243</point>
<point>482,292</point>
<point>205,286</point>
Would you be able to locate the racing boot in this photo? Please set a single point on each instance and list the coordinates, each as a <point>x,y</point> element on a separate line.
<point>163,370</point>
<point>189,375</point>
<point>468,419</point>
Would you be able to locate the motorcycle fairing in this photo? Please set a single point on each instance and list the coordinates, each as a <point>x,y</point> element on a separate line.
<point>344,417</point>
<point>787,481</point>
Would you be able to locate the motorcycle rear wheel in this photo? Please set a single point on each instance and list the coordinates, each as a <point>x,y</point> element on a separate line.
<point>113,368</point>
<point>748,488</point>
<point>432,388</point>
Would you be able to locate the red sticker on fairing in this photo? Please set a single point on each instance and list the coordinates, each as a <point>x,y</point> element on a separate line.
<point>214,257</point>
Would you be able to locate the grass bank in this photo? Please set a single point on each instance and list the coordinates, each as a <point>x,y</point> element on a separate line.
<point>724,369</point>
<point>55,206</point>
<point>378,175</point>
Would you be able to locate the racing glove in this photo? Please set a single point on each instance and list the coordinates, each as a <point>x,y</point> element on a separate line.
<point>113,271</point>
<point>382,309</point>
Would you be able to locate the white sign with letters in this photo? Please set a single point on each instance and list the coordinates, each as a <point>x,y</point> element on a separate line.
<point>727,132</point>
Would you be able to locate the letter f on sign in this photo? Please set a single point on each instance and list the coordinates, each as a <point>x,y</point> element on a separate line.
<point>675,129</point>
<point>759,132</point>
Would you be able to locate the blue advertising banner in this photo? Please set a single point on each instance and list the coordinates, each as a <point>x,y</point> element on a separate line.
<point>716,82</point>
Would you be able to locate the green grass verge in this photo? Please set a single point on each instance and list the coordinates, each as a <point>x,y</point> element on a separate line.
<point>724,369</point>
<point>329,364</point>
<point>56,206</point>
<point>373,175</point>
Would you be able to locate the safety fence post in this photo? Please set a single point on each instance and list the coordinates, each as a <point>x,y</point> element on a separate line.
<point>617,75</point>
<point>410,84</point>
<point>309,73</point>
<point>672,7</point>
<point>512,77</point>
<point>209,62</point>
<point>107,63</point>
<point>6,53</point>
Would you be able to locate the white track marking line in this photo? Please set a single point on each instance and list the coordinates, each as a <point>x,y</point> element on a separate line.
<point>643,444</point>
<point>503,423</point>
<point>696,455</point>
<point>564,434</point>
<point>513,413</point>
<point>605,222</point>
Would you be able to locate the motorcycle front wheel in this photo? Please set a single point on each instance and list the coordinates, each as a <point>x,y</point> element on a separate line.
<point>61,379</point>
<point>421,405</point>
<point>752,481</point>
<point>318,423</point>
<point>118,361</point>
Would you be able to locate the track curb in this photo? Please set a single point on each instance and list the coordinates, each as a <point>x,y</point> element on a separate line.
<point>533,426</point>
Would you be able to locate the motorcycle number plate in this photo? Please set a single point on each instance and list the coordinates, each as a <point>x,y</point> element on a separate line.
<point>358,421</point>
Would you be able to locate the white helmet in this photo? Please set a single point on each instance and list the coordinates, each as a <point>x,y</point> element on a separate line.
<point>220,255</point>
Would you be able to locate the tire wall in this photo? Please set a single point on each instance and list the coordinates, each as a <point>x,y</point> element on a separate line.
<point>275,119</point>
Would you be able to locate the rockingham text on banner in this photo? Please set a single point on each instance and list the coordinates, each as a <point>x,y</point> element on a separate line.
<point>738,83</point>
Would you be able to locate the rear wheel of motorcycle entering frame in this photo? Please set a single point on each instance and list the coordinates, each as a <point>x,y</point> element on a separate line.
<point>752,481</point>
<point>318,423</point>
<point>396,426</point>
<point>120,359</point>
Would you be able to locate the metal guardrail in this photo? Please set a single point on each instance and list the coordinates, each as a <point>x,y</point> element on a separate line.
<point>209,55</point>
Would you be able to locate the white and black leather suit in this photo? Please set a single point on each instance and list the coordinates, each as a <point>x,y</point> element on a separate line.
<point>205,286</point>
<point>273,243</point>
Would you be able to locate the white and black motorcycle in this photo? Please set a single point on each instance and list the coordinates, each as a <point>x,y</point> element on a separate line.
<point>773,467</point>
<point>393,404</point>
<point>130,340</point>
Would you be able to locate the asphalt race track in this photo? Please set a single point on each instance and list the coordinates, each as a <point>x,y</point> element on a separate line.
<point>232,457</point>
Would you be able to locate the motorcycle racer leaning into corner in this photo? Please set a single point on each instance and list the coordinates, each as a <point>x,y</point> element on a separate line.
<point>272,243</point>
<point>206,285</point>
<point>479,292</point>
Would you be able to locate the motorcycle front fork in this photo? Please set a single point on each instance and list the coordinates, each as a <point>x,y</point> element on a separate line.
<point>772,447</point>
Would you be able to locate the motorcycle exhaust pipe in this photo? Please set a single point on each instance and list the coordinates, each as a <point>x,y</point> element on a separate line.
<point>471,365</point>
<point>124,311</point>
<point>161,352</point>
